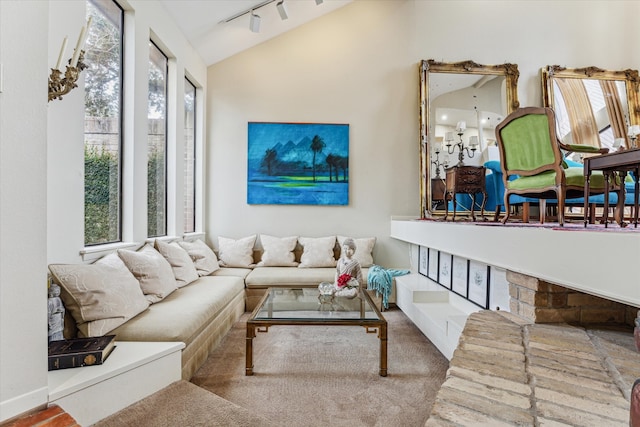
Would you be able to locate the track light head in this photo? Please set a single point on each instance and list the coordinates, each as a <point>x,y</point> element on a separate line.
<point>282,10</point>
<point>319,2</point>
<point>254,23</point>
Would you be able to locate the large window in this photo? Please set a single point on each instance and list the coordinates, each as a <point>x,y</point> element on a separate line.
<point>189,157</point>
<point>102,125</point>
<point>157,144</point>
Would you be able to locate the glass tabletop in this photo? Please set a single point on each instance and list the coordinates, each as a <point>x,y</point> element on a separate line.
<point>307,304</point>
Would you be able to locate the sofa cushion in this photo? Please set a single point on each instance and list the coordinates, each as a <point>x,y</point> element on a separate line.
<point>182,315</point>
<point>278,251</point>
<point>317,252</point>
<point>99,296</point>
<point>232,271</point>
<point>184,270</point>
<point>204,259</point>
<point>364,249</point>
<point>287,277</point>
<point>236,253</point>
<point>152,271</point>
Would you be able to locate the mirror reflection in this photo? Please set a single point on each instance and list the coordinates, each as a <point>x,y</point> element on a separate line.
<point>593,107</point>
<point>461,103</point>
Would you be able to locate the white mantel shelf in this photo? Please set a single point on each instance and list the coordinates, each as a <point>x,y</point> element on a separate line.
<point>605,264</point>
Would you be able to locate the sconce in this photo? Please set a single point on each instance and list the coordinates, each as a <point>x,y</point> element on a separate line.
<point>451,148</point>
<point>60,84</point>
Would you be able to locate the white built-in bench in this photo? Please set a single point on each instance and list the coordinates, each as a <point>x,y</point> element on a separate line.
<point>437,312</point>
<point>133,371</point>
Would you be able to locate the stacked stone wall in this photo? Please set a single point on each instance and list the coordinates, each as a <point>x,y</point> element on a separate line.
<point>539,301</point>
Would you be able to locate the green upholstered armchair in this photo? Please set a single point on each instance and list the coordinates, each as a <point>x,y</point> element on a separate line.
<point>532,163</point>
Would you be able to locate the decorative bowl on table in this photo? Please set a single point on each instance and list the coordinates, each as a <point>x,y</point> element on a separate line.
<point>326,288</point>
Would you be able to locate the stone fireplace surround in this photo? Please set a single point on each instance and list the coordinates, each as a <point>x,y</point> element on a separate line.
<point>560,358</point>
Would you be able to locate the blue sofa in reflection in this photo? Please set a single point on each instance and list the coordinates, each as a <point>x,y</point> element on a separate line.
<point>495,191</point>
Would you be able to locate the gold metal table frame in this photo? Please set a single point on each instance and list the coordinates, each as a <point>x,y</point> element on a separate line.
<point>299,307</point>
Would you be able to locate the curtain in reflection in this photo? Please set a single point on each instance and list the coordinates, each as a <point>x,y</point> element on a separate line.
<point>583,124</point>
<point>614,109</point>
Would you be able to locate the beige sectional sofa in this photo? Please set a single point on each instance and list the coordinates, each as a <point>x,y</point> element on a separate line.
<point>184,291</point>
<point>310,261</point>
<point>161,293</point>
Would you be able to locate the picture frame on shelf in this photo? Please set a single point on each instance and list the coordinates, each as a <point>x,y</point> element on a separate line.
<point>444,269</point>
<point>433,264</point>
<point>498,289</point>
<point>460,276</point>
<point>478,289</point>
<point>423,260</point>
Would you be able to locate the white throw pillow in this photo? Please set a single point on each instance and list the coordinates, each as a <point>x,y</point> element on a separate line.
<point>152,271</point>
<point>203,257</point>
<point>364,249</point>
<point>278,251</point>
<point>317,252</point>
<point>236,253</point>
<point>100,296</point>
<point>184,270</point>
<point>113,260</point>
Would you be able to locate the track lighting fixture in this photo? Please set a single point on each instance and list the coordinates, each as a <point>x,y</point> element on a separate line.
<point>254,20</point>
<point>282,10</point>
<point>254,23</point>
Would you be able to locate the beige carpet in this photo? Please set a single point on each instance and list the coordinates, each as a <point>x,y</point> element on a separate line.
<point>304,376</point>
<point>321,375</point>
<point>183,404</point>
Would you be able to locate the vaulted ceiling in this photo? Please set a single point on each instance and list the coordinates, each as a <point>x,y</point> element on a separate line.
<point>202,22</point>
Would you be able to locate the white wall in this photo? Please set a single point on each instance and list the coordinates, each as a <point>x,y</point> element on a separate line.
<point>42,167</point>
<point>359,65</point>
<point>350,66</point>
<point>23,202</point>
<point>531,34</point>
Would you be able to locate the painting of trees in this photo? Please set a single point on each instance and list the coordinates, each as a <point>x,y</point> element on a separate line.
<point>298,163</point>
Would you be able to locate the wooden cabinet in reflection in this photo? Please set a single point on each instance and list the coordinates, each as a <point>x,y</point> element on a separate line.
<point>465,180</point>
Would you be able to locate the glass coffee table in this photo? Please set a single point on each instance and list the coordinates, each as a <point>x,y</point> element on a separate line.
<point>306,307</point>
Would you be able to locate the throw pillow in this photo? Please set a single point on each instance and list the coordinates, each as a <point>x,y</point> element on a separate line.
<point>113,260</point>
<point>278,251</point>
<point>152,271</point>
<point>236,253</point>
<point>204,259</point>
<point>184,270</point>
<point>99,296</point>
<point>317,252</point>
<point>364,249</point>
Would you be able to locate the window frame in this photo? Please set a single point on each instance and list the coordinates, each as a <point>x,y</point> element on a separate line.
<point>190,179</point>
<point>121,106</point>
<point>153,44</point>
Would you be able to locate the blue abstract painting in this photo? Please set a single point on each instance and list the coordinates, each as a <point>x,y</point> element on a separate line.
<point>298,164</point>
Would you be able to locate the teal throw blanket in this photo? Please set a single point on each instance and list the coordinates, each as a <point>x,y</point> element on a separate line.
<point>380,280</point>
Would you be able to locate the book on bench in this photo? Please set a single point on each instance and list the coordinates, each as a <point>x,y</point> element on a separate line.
<point>77,352</point>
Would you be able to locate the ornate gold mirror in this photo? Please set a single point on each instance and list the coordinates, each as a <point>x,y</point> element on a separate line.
<point>593,106</point>
<point>460,105</point>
